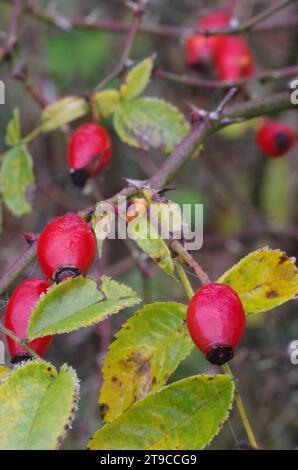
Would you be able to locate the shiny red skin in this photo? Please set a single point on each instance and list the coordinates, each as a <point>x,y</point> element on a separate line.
<point>18,312</point>
<point>234,59</point>
<point>90,147</point>
<point>275,138</point>
<point>200,49</point>
<point>215,316</point>
<point>66,241</point>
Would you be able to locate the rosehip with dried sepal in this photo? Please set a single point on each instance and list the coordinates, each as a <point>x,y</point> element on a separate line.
<point>216,321</point>
<point>200,49</point>
<point>89,152</point>
<point>275,138</point>
<point>234,59</point>
<point>17,315</point>
<point>66,247</point>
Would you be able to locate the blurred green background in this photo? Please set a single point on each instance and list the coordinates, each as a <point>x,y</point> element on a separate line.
<point>249,201</point>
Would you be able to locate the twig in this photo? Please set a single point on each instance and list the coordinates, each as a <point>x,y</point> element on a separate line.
<point>250,24</point>
<point>21,74</point>
<point>17,267</point>
<point>200,82</point>
<point>138,12</point>
<point>178,248</point>
<point>65,23</point>
<point>23,343</point>
<point>11,38</point>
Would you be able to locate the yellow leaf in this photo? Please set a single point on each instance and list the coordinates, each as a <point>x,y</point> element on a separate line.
<point>3,370</point>
<point>263,279</point>
<point>106,101</point>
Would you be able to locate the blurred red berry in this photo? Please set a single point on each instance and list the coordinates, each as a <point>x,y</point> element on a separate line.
<point>89,152</point>
<point>275,138</point>
<point>200,49</point>
<point>216,321</point>
<point>234,59</point>
<point>17,315</point>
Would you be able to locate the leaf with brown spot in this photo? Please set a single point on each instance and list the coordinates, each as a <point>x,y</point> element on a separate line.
<point>146,351</point>
<point>185,415</point>
<point>263,279</point>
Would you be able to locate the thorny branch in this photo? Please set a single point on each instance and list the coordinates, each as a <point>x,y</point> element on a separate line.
<point>198,135</point>
<point>65,23</point>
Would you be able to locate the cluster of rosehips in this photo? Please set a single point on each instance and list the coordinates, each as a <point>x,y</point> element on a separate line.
<point>229,55</point>
<point>65,248</point>
<point>89,152</point>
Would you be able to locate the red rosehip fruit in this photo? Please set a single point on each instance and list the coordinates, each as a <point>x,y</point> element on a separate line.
<point>216,321</point>
<point>17,315</point>
<point>234,59</point>
<point>275,138</point>
<point>200,49</point>
<point>89,152</point>
<point>66,247</point>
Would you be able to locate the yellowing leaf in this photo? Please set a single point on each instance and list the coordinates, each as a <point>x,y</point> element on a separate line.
<point>263,279</point>
<point>137,79</point>
<point>185,415</point>
<point>146,351</point>
<point>13,130</point>
<point>123,132</point>
<point>147,238</point>
<point>77,303</point>
<point>37,405</point>
<point>150,122</point>
<point>62,112</point>
<point>106,101</point>
<point>16,180</point>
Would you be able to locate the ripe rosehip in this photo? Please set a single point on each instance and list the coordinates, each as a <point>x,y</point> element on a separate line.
<point>89,152</point>
<point>17,314</point>
<point>200,49</point>
<point>275,138</point>
<point>216,320</point>
<point>234,59</point>
<point>66,247</point>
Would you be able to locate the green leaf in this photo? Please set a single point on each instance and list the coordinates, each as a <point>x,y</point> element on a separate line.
<point>106,101</point>
<point>146,351</point>
<point>16,179</point>
<point>37,405</point>
<point>13,130</point>
<point>150,122</point>
<point>146,236</point>
<point>185,415</point>
<point>77,303</point>
<point>263,279</point>
<point>137,79</point>
<point>62,112</point>
<point>123,132</point>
